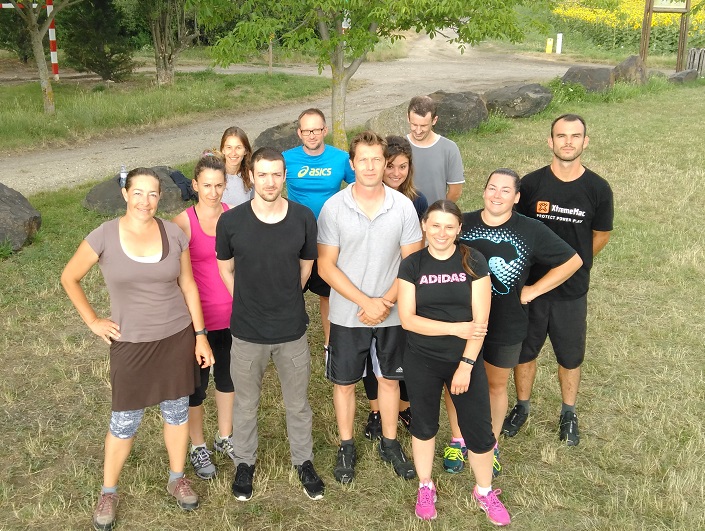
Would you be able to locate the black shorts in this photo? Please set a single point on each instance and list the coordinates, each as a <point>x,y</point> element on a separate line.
<point>315,284</point>
<point>349,348</point>
<point>220,342</point>
<point>425,378</point>
<point>502,356</point>
<point>565,324</point>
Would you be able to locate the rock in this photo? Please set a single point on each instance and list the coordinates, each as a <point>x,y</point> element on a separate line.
<point>683,76</point>
<point>19,221</point>
<point>458,112</point>
<point>391,121</point>
<point>656,73</point>
<point>281,137</point>
<point>631,70</point>
<point>106,197</point>
<point>594,79</point>
<point>518,101</point>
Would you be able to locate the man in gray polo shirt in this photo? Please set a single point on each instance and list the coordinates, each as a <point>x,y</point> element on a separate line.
<point>363,233</point>
<point>438,168</point>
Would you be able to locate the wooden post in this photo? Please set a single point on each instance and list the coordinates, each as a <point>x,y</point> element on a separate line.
<point>646,30</point>
<point>683,37</point>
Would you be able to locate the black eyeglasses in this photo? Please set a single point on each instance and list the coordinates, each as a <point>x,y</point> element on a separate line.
<point>309,132</point>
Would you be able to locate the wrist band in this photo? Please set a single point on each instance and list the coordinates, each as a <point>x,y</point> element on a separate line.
<point>468,361</point>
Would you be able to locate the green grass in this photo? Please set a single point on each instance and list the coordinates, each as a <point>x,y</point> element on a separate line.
<point>639,464</point>
<point>95,109</point>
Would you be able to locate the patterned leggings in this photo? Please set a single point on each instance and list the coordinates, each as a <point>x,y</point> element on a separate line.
<point>124,424</point>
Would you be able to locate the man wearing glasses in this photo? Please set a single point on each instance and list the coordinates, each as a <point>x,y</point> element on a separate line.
<point>315,172</point>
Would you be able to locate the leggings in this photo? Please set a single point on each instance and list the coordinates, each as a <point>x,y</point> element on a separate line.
<point>124,424</point>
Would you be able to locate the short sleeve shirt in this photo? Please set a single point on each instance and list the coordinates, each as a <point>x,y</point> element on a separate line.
<point>437,166</point>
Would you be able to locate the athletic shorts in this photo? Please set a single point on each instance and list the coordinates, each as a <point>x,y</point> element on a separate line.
<point>502,356</point>
<point>565,324</point>
<point>315,284</point>
<point>349,348</point>
<point>220,342</point>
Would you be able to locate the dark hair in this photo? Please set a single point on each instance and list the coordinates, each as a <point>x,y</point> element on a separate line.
<point>137,172</point>
<point>443,205</point>
<point>312,110</point>
<point>422,105</point>
<point>398,145</point>
<point>510,173</point>
<point>245,165</point>
<point>212,160</point>
<point>268,153</point>
<point>369,138</point>
<point>570,118</point>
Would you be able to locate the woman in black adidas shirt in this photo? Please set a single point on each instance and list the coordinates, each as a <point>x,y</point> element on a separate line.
<point>443,291</point>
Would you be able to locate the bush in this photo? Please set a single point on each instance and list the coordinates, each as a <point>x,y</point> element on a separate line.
<point>14,36</point>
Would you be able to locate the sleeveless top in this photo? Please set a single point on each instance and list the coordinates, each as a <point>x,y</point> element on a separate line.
<point>215,298</point>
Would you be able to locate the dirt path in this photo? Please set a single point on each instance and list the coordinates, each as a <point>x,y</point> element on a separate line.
<point>431,65</point>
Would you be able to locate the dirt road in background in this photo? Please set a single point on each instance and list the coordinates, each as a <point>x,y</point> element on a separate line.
<point>431,65</point>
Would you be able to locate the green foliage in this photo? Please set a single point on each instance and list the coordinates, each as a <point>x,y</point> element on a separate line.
<point>5,250</point>
<point>14,36</point>
<point>105,49</point>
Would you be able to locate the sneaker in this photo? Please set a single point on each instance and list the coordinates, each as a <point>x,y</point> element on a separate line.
<point>569,428</point>
<point>201,462</point>
<point>515,420</point>
<point>495,510</point>
<point>454,457</point>
<point>496,467</point>
<point>426,502</point>
<point>242,484</point>
<point>104,514</point>
<point>224,446</point>
<point>405,418</point>
<point>181,489</point>
<point>395,455</point>
<point>313,484</point>
<point>373,428</point>
<point>344,470</point>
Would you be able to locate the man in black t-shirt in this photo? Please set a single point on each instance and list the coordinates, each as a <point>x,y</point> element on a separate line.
<point>265,251</point>
<point>577,205</point>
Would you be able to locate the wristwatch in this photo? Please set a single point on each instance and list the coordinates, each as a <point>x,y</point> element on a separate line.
<point>203,332</point>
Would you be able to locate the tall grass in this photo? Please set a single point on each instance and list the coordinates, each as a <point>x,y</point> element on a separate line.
<point>640,461</point>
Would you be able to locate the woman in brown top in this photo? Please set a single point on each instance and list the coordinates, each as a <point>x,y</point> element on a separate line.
<point>154,352</point>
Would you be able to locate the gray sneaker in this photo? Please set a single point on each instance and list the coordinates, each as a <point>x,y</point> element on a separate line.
<point>202,464</point>
<point>105,510</point>
<point>224,446</point>
<point>181,489</point>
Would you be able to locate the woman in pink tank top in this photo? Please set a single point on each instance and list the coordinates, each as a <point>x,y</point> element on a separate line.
<point>198,223</point>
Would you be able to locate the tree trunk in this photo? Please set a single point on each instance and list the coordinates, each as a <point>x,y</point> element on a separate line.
<point>163,57</point>
<point>39,57</point>
<point>165,68</point>
<point>340,88</point>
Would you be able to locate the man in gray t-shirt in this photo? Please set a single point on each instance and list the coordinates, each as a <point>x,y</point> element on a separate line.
<point>438,168</point>
<point>363,233</point>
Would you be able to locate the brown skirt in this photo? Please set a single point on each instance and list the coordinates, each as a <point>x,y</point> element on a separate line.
<point>147,373</point>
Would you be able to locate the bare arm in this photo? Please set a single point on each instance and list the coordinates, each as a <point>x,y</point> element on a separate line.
<point>454,192</point>
<point>184,224</point>
<point>77,268</point>
<point>204,355</point>
<point>599,240</point>
<point>555,277</point>
<point>406,250</point>
<point>305,266</point>
<point>226,268</point>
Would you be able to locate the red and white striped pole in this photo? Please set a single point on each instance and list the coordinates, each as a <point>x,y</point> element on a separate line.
<point>52,35</point>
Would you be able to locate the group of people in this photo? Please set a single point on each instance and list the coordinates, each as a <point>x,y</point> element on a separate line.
<point>415,298</point>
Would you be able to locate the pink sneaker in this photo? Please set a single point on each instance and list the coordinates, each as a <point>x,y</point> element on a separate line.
<point>426,502</point>
<point>494,508</point>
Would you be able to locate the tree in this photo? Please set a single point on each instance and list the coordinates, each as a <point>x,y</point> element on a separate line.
<point>345,30</point>
<point>31,15</point>
<point>13,37</point>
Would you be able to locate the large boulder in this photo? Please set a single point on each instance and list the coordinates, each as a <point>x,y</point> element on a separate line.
<point>594,79</point>
<point>19,221</point>
<point>458,112</point>
<point>518,101</point>
<point>106,197</point>
<point>631,70</point>
<point>281,137</point>
<point>683,76</point>
<point>391,121</point>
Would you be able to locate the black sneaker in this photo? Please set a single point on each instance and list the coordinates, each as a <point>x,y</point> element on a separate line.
<point>569,428</point>
<point>405,418</point>
<point>373,428</point>
<point>242,484</point>
<point>395,455</point>
<point>515,420</point>
<point>344,470</point>
<point>313,484</point>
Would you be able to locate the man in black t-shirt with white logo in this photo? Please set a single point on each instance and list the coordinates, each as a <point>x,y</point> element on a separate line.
<point>577,205</point>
